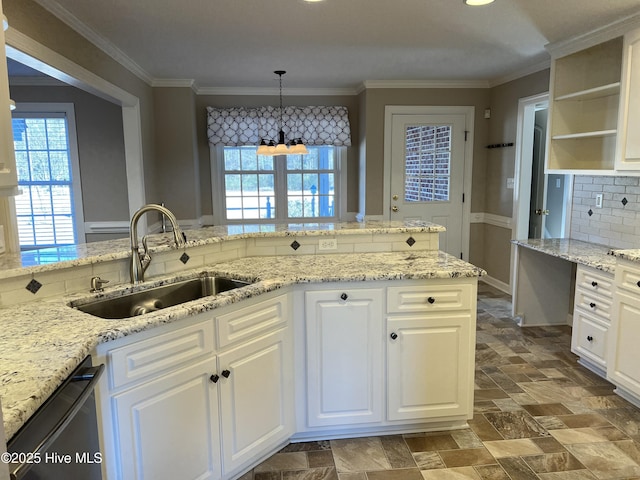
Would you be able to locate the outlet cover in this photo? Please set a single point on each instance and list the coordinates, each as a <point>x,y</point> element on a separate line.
<point>327,244</point>
<point>599,200</point>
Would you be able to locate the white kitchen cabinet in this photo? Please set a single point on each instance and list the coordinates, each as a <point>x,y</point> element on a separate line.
<point>623,354</point>
<point>583,111</point>
<point>168,428</point>
<point>175,405</point>
<point>629,141</point>
<point>430,350</point>
<point>344,356</point>
<point>592,317</point>
<point>256,398</point>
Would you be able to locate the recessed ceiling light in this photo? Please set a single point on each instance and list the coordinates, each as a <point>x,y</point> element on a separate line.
<point>478,2</point>
<point>313,1</point>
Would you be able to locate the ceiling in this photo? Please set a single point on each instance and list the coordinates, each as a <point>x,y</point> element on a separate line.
<point>333,44</point>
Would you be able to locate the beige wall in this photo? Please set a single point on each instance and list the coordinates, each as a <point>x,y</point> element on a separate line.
<point>377,99</point>
<point>100,148</point>
<point>30,19</point>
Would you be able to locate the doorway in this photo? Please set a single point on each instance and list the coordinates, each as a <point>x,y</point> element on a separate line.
<point>427,166</point>
<point>541,202</point>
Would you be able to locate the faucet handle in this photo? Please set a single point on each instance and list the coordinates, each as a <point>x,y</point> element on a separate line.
<point>97,283</point>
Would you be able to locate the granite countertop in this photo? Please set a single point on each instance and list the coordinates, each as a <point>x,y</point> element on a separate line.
<point>42,342</point>
<point>585,253</point>
<point>48,259</point>
<point>632,255</point>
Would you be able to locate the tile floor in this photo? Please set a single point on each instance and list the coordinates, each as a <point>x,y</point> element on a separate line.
<point>538,415</point>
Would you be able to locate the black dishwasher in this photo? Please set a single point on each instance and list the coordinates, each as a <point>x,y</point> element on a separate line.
<point>60,440</point>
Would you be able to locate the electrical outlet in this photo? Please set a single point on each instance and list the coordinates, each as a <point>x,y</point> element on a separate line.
<point>327,244</point>
<point>599,200</point>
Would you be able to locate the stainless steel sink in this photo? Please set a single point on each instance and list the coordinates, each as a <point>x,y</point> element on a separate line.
<point>156,298</point>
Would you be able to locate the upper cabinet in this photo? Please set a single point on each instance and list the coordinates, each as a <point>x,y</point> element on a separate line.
<point>585,93</point>
<point>595,102</point>
<point>8,175</point>
<point>629,137</point>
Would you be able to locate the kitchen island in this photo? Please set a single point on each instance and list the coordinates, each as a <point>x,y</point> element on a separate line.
<point>42,341</point>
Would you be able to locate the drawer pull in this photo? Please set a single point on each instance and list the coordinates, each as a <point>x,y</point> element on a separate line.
<point>589,338</point>
<point>431,300</point>
<point>214,378</point>
<point>594,284</point>
<point>226,373</point>
<point>393,335</point>
<point>344,296</point>
<point>592,305</point>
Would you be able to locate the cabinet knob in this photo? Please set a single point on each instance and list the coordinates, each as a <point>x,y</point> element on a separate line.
<point>594,284</point>
<point>214,378</point>
<point>393,335</point>
<point>592,305</point>
<point>344,296</point>
<point>226,373</point>
<point>589,338</point>
<point>431,300</point>
<point>638,283</point>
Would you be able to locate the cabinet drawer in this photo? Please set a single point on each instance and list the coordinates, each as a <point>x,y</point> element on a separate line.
<point>596,281</point>
<point>628,277</point>
<point>597,305</point>
<point>159,354</point>
<point>250,321</point>
<point>589,337</point>
<point>428,298</point>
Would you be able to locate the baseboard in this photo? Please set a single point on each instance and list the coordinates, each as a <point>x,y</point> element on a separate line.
<point>494,282</point>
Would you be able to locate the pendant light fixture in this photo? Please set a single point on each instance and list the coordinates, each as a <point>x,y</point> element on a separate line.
<point>292,147</point>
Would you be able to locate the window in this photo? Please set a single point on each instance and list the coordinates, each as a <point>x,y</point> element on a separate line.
<point>428,157</point>
<point>46,209</point>
<point>266,189</point>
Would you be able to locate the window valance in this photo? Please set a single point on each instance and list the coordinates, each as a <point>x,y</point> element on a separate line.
<point>247,126</point>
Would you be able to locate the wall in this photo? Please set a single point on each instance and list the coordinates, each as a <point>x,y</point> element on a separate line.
<point>100,148</point>
<point>30,19</point>
<point>225,101</point>
<point>374,114</point>
<point>615,224</point>
<point>500,165</point>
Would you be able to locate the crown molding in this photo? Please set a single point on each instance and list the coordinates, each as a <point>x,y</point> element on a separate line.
<point>175,82</point>
<point>95,38</point>
<point>538,67</point>
<point>367,84</point>
<point>594,37</point>
<point>307,92</point>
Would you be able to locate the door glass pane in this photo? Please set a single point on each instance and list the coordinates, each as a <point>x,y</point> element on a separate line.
<point>427,163</point>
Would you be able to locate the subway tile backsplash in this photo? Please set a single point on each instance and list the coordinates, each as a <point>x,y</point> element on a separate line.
<point>617,223</point>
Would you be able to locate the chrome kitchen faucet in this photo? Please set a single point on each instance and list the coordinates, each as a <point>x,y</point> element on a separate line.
<point>140,261</point>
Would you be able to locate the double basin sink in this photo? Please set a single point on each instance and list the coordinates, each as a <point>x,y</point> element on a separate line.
<point>157,298</point>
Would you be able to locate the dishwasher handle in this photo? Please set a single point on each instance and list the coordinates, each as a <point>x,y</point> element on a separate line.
<point>92,374</point>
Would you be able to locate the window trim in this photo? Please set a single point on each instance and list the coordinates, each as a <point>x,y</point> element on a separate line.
<point>216,154</point>
<point>42,110</point>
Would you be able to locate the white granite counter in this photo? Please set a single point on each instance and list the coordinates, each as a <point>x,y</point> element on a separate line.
<point>633,255</point>
<point>42,342</point>
<point>577,251</point>
<point>48,259</point>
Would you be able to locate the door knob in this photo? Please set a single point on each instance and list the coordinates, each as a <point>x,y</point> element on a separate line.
<point>395,197</point>
<point>394,208</point>
<point>539,211</point>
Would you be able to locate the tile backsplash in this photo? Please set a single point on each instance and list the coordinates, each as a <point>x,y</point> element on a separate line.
<point>617,223</point>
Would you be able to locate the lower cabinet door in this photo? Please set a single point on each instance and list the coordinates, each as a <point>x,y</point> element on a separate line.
<point>256,397</point>
<point>344,357</point>
<point>168,428</point>
<point>429,367</point>
<point>623,365</point>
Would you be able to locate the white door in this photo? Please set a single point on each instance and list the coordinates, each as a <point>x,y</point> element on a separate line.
<point>427,172</point>
<point>256,397</point>
<point>344,356</point>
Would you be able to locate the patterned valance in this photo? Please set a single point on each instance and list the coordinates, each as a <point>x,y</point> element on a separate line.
<point>247,126</point>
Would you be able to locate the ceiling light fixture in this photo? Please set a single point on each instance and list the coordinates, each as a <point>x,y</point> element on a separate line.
<point>475,3</point>
<point>292,147</point>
